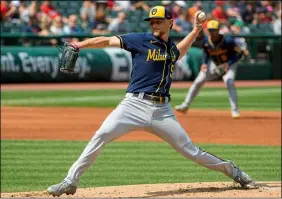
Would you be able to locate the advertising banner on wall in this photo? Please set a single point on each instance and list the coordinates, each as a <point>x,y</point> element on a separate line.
<point>41,64</point>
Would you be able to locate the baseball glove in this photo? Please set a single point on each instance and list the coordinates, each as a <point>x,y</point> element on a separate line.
<point>69,56</point>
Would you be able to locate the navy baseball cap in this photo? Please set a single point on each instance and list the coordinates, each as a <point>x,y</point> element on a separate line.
<point>159,12</point>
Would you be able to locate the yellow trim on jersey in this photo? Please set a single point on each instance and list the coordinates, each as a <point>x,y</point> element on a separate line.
<point>163,70</point>
<point>157,11</point>
<point>173,57</point>
<point>122,46</point>
<point>211,43</point>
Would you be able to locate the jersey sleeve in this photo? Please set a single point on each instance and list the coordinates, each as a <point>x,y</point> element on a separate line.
<point>131,42</point>
<point>235,51</point>
<point>177,53</point>
<point>205,57</point>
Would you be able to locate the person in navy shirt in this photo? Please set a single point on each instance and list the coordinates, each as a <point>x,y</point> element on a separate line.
<point>146,104</point>
<point>220,57</point>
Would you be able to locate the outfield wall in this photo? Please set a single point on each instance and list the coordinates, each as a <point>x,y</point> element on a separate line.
<point>41,64</point>
<point>34,64</point>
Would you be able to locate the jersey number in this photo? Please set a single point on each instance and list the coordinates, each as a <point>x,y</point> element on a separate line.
<point>171,70</point>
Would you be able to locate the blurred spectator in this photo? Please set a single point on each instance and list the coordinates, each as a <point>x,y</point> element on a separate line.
<point>34,9</point>
<point>88,11</point>
<point>24,12</point>
<point>192,10</point>
<point>32,26</point>
<point>44,26</point>
<point>228,13</point>
<point>236,29</point>
<point>45,31</point>
<point>264,11</point>
<point>100,24</point>
<point>182,23</point>
<point>119,24</point>
<point>219,14</point>
<point>57,26</point>
<point>248,13</point>
<point>277,24</point>
<point>72,26</point>
<point>16,15</point>
<point>85,25</point>
<point>7,11</point>
<point>140,5</point>
<point>278,7</point>
<point>110,4</point>
<point>233,9</point>
<point>101,4</point>
<point>122,6</point>
<point>177,9</point>
<point>168,5</point>
<point>224,29</point>
<point>49,9</point>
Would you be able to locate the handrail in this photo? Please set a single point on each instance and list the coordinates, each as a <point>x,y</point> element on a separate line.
<point>86,35</point>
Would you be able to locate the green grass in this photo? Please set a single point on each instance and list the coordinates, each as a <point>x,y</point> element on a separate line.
<point>35,165</point>
<point>265,98</point>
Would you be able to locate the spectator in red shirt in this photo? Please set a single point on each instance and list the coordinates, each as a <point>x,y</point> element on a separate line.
<point>49,9</point>
<point>219,13</point>
<point>7,10</point>
<point>110,4</point>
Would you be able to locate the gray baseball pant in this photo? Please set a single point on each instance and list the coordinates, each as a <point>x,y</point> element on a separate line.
<point>136,113</point>
<point>210,74</point>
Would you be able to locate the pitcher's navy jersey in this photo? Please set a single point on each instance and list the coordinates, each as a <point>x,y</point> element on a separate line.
<point>223,51</point>
<point>153,62</point>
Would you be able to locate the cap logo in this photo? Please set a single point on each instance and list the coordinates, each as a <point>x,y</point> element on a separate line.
<point>154,11</point>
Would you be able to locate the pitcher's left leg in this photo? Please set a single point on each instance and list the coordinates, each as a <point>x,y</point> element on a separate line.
<point>169,129</point>
<point>229,79</point>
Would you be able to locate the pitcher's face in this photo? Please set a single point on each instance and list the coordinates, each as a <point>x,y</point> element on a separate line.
<point>160,26</point>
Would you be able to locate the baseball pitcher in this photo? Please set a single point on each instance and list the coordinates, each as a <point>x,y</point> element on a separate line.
<point>220,57</point>
<point>146,105</point>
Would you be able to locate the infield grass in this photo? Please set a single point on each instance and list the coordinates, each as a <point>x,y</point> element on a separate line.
<point>35,165</point>
<point>265,98</point>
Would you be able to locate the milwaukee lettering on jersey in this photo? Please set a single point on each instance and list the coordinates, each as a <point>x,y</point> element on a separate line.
<point>152,62</point>
<point>217,51</point>
<point>155,55</point>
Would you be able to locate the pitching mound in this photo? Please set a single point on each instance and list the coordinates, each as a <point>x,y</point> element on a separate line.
<point>183,190</point>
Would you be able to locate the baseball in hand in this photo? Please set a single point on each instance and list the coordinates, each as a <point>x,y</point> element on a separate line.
<point>201,16</point>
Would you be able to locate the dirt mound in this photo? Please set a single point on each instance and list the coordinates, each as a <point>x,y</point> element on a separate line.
<point>203,126</point>
<point>183,190</point>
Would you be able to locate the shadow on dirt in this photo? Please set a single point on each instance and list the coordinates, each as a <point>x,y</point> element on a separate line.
<point>193,190</point>
<point>257,118</point>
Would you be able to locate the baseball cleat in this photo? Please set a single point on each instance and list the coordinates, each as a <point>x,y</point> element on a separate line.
<point>181,108</point>
<point>244,179</point>
<point>235,114</point>
<point>61,188</point>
